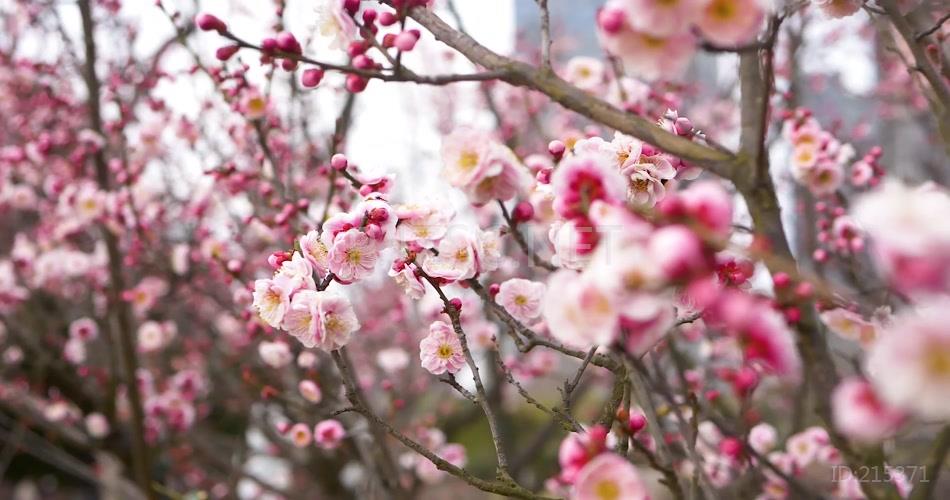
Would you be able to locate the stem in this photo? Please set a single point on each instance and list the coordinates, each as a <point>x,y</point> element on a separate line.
<point>123,315</point>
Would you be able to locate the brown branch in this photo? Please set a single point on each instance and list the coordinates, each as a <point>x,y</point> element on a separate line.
<point>123,314</point>
<point>938,455</point>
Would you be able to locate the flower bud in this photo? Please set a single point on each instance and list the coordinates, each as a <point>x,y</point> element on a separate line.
<point>311,77</point>
<point>208,22</point>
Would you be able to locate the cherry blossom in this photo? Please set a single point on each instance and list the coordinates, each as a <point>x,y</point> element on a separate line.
<point>521,298</point>
<point>441,350</point>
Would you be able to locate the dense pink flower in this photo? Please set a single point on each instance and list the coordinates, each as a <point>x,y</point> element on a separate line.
<point>464,157</point>
<point>909,364</point>
<point>84,329</point>
<point>521,298</point>
<point>275,354</point>
<point>457,258</point>
<point>302,320</point>
<point>316,252</point>
<point>860,414</point>
<point>300,435</point>
<point>648,56</point>
<point>502,178</point>
<point>662,17</point>
<point>353,255</point>
<point>441,350</point>
<point>272,299</point>
<point>582,313</point>
<point>609,477</point>
<point>574,242</point>
<point>644,321</point>
<point>709,204</point>
<point>337,319</point>
<point>298,272</point>
<point>581,180</point>
<point>328,434</point>
<point>585,73</point>
<point>850,325</point>
<point>423,224</point>
<point>577,450</point>
<point>404,274</point>
<point>645,177</point>
<point>731,22</point>
<point>912,246</point>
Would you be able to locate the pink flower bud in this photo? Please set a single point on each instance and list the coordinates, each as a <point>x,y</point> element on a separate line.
<point>405,41</point>
<point>369,15</point>
<point>208,22</point>
<point>339,162</point>
<point>356,83</point>
<point>683,126</point>
<point>363,61</point>
<point>556,148</point>
<point>351,6</point>
<point>636,423</point>
<point>456,303</point>
<point>544,175</point>
<point>730,447</point>
<point>356,48</point>
<point>287,42</point>
<point>269,44</point>
<point>611,20</point>
<point>781,280</point>
<point>523,212</point>
<point>388,19</point>
<point>225,53</point>
<point>493,289</point>
<point>804,290</point>
<point>311,77</point>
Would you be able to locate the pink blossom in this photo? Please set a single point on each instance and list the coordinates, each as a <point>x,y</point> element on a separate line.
<point>912,247</point>
<point>464,157</point>
<point>662,18</point>
<point>573,243</point>
<point>490,251</point>
<point>609,476</point>
<point>302,320</point>
<point>404,274</point>
<point>710,205</point>
<point>337,319</point>
<point>97,425</point>
<point>909,364</point>
<point>328,434</point>
<point>298,272</point>
<point>644,321</point>
<point>502,178</point>
<point>275,354</point>
<point>581,180</point>
<point>577,450</point>
<point>84,329</point>
<point>392,360</point>
<point>441,351</point>
<point>74,351</point>
<point>316,252</point>
<point>860,414</point>
<point>353,255</point>
<point>581,314</point>
<point>585,73</point>
<point>423,224</point>
<point>731,22</point>
<point>300,435</point>
<point>521,298</point>
<point>457,258</point>
<point>763,437</point>
<point>452,453</point>
<point>651,57</point>
<point>850,325</point>
<point>272,299</point>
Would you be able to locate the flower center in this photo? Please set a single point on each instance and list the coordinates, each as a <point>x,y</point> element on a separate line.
<point>521,300</point>
<point>468,160</point>
<point>461,255</point>
<point>353,256</point>
<point>937,361</point>
<point>444,351</point>
<point>607,490</point>
<point>724,10</point>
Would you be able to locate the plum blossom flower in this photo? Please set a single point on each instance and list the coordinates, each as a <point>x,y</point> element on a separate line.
<point>581,180</point>
<point>502,178</point>
<point>585,73</point>
<point>97,425</point>
<point>850,325</point>
<point>860,414</point>
<point>272,299</point>
<point>464,154</point>
<point>275,354</point>
<point>909,364</point>
<point>452,453</point>
<point>651,57</point>
<point>300,435</point>
<point>298,271</point>
<point>154,336</point>
<point>74,351</point>
<point>645,179</point>
<point>577,449</point>
<point>310,391</point>
<point>582,313</point>
<point>763,437</point>
<point>457,257</point>
<point>392,359</point>
<point>337,320</point>
<point>731,22</point>
<point>521,298</point>
<point>662,17</point>
<point>334,24</point>
<point>353,255</point>
<point>302,320</point>
<point>609,476</point>
<point>316,252</point>
<point>423,224</point>
<point>644,321</point>
<point>441,351</point>
<point>573,243</point>
<point>490,253</point>
<point>328,434</point>
<point>84,329</point>
<point>912,247</point>
<point>404,274</point>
